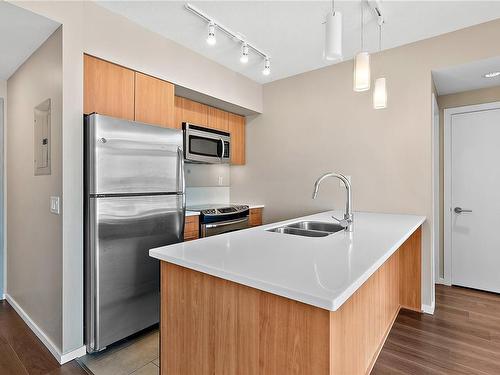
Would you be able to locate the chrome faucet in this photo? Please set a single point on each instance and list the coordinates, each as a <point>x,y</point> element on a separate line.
<point>346,222</point>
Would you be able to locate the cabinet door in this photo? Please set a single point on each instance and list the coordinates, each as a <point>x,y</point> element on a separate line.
<point>191,228</point>
<point>237,130</point>
<point>108,89</point>
<point>154,101</point>
<point>190,111</point>
<point>255,217</point>
<point>217,119</point>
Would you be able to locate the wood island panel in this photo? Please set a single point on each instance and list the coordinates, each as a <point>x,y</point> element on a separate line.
<point>214,326</point>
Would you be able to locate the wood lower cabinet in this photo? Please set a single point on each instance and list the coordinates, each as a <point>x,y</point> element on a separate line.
<point>255,218</point>
<point>191,228</point>
<point>237,131</point>
<point>108,89</point>
<point>154,101</point>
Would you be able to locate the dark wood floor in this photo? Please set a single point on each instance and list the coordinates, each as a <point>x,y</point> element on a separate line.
<point>462,337</point>
<point>22,353</point>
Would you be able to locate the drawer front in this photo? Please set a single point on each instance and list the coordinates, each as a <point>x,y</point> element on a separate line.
<point>255,217</point>
<point>191,229</point>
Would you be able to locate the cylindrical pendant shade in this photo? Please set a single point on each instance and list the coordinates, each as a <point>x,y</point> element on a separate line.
<point>380,94</point>
<point>333,36</point>
<point>362,72</point>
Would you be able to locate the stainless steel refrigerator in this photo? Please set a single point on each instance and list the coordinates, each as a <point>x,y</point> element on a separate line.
<point>134,201</point>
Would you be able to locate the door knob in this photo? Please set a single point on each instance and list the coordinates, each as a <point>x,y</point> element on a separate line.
<point>459,210</point>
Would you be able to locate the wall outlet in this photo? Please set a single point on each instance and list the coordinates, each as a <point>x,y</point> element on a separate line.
<point>341,184</point>
<point>54,205</point>
<point>221,180</point>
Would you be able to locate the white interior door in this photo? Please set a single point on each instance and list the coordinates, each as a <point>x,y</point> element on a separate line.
<point>475,199</point>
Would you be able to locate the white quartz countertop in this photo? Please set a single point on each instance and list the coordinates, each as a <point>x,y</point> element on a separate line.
<point>320,271</point>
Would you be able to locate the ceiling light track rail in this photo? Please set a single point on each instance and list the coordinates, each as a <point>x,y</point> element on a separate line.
<point>231,34</point>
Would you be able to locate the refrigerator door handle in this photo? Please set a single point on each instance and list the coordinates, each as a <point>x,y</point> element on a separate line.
<point>181,183</point>
<point>182,180</point>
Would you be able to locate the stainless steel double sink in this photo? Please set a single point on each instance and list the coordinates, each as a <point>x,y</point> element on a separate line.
<point>308,229</point>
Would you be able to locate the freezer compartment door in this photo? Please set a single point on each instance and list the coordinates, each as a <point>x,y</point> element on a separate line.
<point>128,157</point>
<point>122,281</point>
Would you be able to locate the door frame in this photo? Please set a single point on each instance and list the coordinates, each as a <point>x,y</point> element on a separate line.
<point>448,114</point>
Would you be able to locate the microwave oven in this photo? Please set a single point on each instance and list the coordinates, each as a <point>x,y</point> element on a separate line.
<point>204,145</point>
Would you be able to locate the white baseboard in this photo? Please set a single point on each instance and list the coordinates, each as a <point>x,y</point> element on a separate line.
<point>429,309</point>
<point>53,349</point>
<point>77,353</point>
<point>443,281</point>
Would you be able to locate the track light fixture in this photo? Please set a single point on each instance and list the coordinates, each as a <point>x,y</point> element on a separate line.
<point>211,40</point>
<point>244,53</point>
<point>267,67</point>
<point>246,46</point>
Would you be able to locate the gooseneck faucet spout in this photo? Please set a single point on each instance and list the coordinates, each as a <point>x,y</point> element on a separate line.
<point>346,222</point>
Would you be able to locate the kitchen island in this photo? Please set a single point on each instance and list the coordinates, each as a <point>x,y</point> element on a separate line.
<point>261,302</point>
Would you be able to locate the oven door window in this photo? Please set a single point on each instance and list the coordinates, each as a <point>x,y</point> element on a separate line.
<point>205,146</point>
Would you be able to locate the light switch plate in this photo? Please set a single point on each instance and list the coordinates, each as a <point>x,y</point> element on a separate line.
<point>54,205</point>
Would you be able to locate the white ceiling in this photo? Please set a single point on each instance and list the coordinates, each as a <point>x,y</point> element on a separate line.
<point>292,33</point>
<point>466,77</point>
<point>21,33</point>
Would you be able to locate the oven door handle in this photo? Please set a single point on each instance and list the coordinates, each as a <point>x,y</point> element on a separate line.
<point>224,223</point>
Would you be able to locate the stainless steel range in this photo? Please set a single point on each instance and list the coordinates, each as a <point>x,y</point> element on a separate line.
<point>219,218</point>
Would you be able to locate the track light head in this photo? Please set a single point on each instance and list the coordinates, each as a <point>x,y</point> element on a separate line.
<point>211,40</point>
<point>267,67</point>
<point>244,53</point>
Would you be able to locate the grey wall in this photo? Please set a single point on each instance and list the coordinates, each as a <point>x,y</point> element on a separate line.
<point>314,123</point>
<point>34,235</point>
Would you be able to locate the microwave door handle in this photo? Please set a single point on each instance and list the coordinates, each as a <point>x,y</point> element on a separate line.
<point>223,146</point>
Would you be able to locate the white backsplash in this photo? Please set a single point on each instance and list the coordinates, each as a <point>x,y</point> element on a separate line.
<point>207,184</point>
<point>207,175</point>
<point>207,195</point>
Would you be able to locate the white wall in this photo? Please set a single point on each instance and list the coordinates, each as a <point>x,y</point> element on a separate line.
<point>314,123</point>
<point>34,235</point>
<point>88,28</point>
<point>3,274</point>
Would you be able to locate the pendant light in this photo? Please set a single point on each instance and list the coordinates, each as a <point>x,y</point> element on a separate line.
<point>362,63</point>
<point>380,90</point>
<point>333,35</point>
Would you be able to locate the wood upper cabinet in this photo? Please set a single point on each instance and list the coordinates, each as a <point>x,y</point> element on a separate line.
<point>108,89</point>
<point>237,129</point>
<point>154,101</point>
<point>187,110</point>
<point>217,119</point>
